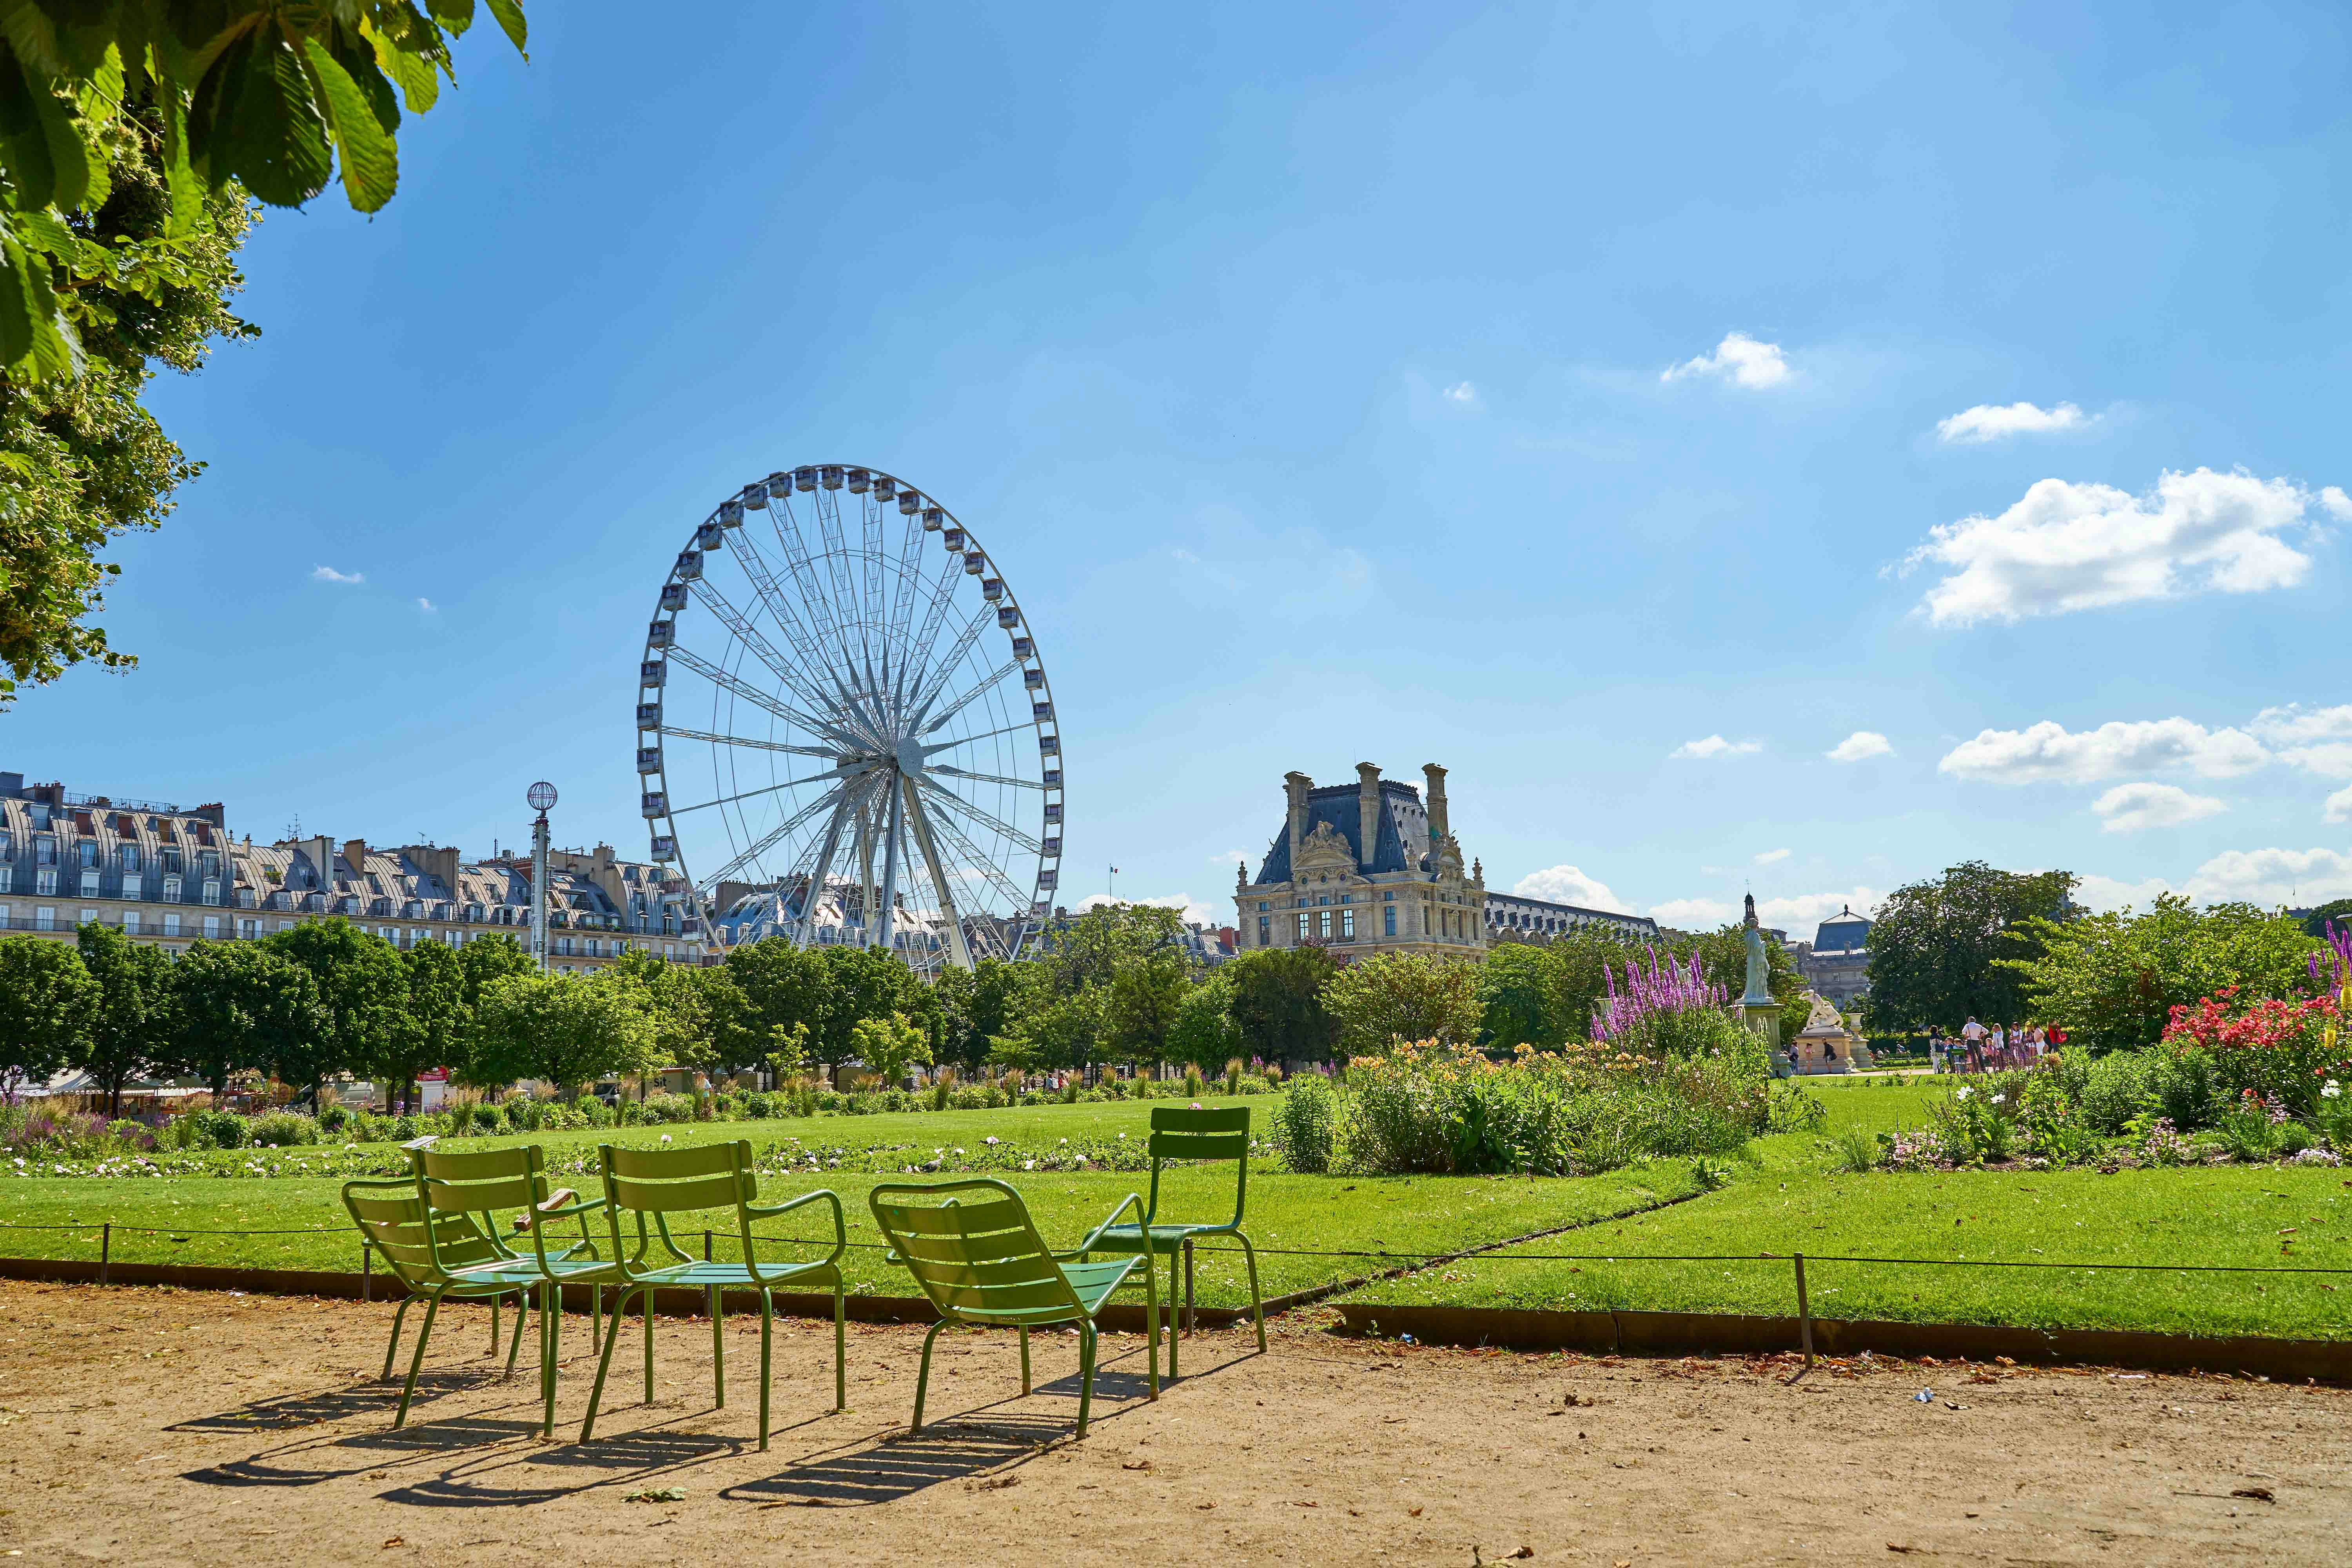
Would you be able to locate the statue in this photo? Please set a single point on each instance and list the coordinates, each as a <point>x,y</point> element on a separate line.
<point>1757,1009</point>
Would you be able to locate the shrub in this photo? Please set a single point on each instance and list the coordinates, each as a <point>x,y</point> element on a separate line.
<point>488,1117</point>
<point>1855,1150</point>
<point>1306,1126</point>
<point>219,1129</point>
<point>2055,1127</point>
<point>334,1119</point>
<point>2165,1146</point>
<point>1793,1107</point>
<point>1233,1076</point>
<point>1195,1085</point>
<point>2279,1050</point>
<point>284,1130</point>
<point>2182,1088</point>
<point>2116,1089</point>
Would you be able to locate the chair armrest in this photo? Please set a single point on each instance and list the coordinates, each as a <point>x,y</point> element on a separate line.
<point>1142,1221</point>
<point>840,1225</point>
<point>555,1208</point>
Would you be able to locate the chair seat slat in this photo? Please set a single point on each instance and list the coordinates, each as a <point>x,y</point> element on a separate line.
<point>675,1197</point>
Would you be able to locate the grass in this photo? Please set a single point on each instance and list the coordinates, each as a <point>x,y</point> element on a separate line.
<point>1787,1197</point>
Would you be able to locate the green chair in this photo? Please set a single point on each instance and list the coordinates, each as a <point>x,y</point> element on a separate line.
<point>984,1266</point>
<point>438,1258</point>
<point>654,1184</point>
<point>1179,1133</point>
<point>479,1184</point>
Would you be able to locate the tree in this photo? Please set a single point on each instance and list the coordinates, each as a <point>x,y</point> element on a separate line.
<point>1092,949</point>
<point>994,1000</point>
<point>698,1012</point>
<point>2112,980</point>
<point>1141,1005</point>
<point>1059,1032</point>
<point>566,1029</point>
<point>1516,996</point>
<point>131,135</point>
<point>1279,1002</point>
<point>861,983</point>
<point>124,1037</point>
<point>363,999</point>
<point>491,955</point>
<point>47,1003</point>
<point>1205,1033</point>
<point>780,989</point>
<point>433,1028</point>
<point>1723,958</point>
<point>2337,911</point>
<point>236,1006</point>
<point>1395,998</point>
<point>1934,945</point>
<point>891,1045</point>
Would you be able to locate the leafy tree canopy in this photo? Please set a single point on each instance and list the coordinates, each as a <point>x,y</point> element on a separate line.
<point>127,1033</point>
<point>1279,1002</point>
<point>1936,946</point>
<point>362,998</point>
<point>1393,998</point>
<point>2112,978</point>
<point>566,1029</point>
<point>47,1003</point>
<point>1093,948</point>
<point>239,1007</point>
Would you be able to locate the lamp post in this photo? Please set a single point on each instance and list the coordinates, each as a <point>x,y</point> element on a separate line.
<point>540,795</point>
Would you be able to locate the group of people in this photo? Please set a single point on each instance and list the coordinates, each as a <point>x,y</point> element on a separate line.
<point>1981,1048</point>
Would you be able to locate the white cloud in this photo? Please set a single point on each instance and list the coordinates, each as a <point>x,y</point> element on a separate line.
<point>428,606</point>
<point>2048,750</point>
<point>1195,911</point>
<point>1462,392</point>
<point>2339,504</point>
<point>1738,359</point>
<point>2132,808</point>
<point>2102,894</point>
<point>1566,885</point>
<point>1693,914</point>
<point>2066,547</point>
<point>1799,915</point>
<point>1231,857</point>
<point>1772,855</point>
<point>2318,740</point>
<point>329,574</point>
<point>2268,877</point>
<point>1859,745</point>
<point>1994,422</point>
<point>1716,746</point>
<point>2339,805</point>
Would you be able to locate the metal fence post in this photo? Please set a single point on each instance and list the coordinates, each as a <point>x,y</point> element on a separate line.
<point>1804,1310</point>
<point>105,1250</point>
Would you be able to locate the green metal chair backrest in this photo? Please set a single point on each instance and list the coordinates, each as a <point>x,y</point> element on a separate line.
<point>422,1248</point>
<point>654,1184</point>
<point>978,1262</point>
<point>483,1183</point>
<point>1181,1132</point>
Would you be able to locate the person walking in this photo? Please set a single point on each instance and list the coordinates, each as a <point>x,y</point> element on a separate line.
<point>1972,1036</point>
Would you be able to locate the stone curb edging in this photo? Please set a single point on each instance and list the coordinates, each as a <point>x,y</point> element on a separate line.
<point>1691,1334</point>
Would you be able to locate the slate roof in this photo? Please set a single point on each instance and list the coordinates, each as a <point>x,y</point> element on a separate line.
<point>1402,828</point>
<point>1842,932</point>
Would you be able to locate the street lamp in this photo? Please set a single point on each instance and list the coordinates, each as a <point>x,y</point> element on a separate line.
<point>540,796</point>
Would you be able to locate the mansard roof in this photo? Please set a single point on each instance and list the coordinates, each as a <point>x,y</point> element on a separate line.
<point>1401,828</point>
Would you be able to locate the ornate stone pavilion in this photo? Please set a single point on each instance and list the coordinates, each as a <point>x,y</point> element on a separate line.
<point>1362,869</point>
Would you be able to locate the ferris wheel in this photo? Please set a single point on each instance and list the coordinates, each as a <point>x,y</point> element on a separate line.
<point>845,731</point>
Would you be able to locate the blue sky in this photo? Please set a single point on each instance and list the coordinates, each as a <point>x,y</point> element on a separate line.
<point>1637,411</point>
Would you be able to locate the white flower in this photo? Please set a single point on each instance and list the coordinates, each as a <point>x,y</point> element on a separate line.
<point>1028,1164</point>
<point>2001,1099</point>
<point>1961,1094</point>
<point>990,1139</point>
<point>1065,1139</point>
<point>1122,1134</point>
<point>665,1136</point>
<point>959,1153</point>
<point>2329,1090</point>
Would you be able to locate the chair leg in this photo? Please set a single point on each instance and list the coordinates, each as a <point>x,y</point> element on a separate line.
<point>1025,1358</point>
<point>1257,1303</point>
<point>1086,1373</point>
<point>393,1348</point>
<point>1191,1316</point>
<point>767,1328</point>
<point>416,1361</point>
<point>840,1344</point>
<point>1151,1324</point>
<point>923,1375</point>
<point>522,1302</point>
<point>1175,1317</point>
<point>494,1326</point>
<point>550,1349</point>
<point>717,1351</point>
<point>646,1311</point>
<point>604,1364</point>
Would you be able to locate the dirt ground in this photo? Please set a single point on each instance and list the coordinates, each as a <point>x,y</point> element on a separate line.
<point>156,1427</point>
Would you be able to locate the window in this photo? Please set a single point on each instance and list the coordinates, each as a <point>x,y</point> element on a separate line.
<point>44,919</point>
<point>131,923</point>
<point>45,850</point>
<point>89,884</point>
<point>248,930</point>
<point>212,926</point>
<point>171,925</point>
<point>127,855</point>
<point>1303,918</point>
<point>86,917</point>
<point>1346,925</point>
<point>7,877</point>
<point>1325,900</point>
<point>131,884</point>
<point>212,891</point>
<point>1324,930</point>
<point>170,888</point>
<point>1265,931</point>
<point>1263,906</point>
<point>1389,920</point>
<point>4,913</point>
<point>171,858</point>
<point>86,852</point>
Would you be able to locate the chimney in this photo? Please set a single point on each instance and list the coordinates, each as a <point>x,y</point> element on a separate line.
<point>1297,783</point>
<point>355,857</point>
<point>321,853</point>
<point>1438,830</point>
<point>438,862</point>
<point>1367,815</point>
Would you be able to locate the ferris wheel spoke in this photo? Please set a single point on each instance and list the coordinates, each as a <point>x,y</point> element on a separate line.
<point>785,521</point>
<point>946,668</point>
<point>967,740</point>
<point>719,605</point>
<point>759,699</point>
<point>921,826</point>
<point>984,778</point>
<point>848,770</point>
<point>717,739</point>
<point>986,684</point>
<point>821,869</point>
<point>976,861</point>
<point>764,581</point>
<point>957,804</point>
<point>767,840</point>
<point>934,616</point>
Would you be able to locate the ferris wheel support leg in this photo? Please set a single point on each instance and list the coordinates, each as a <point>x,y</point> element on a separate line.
<point>957,949</point>
<point>880,928</point>
<point>824,867</point>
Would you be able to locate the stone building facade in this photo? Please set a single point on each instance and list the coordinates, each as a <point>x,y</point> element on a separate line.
<point>1362,869</point>
<point>171,876</point>
<point>1838,967</point>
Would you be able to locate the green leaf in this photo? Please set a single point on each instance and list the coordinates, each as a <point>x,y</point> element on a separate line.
<point>34,341</point>
<point>186,191</point>
<point>69,157</point>
<point>370,163</point>
<point>454,14</point>
<point>510,15</point>
<point>271,130</point>
<point>45,232</point>
<point>420,84</point>
<point>353,55</point>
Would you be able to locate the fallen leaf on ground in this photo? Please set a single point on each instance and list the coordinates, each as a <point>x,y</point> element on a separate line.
<point>998,1483</point>
<point>1135,1465</point>
<point>2259,1494</point>
<point>1891,1546</point>
<point>656,1494</point>
<point>396,1541</point>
